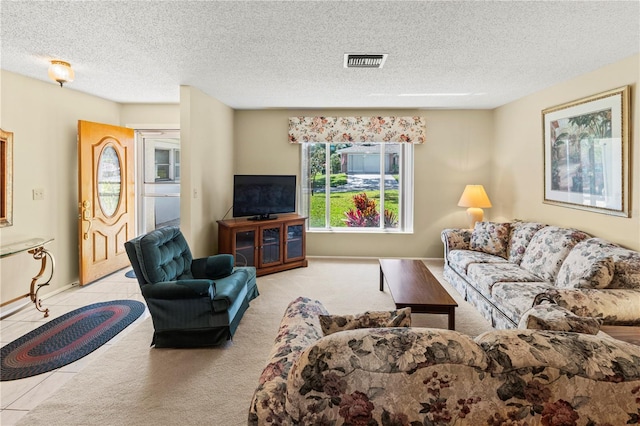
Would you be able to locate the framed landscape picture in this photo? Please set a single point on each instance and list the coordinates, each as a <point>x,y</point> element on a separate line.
<point>586,153</point>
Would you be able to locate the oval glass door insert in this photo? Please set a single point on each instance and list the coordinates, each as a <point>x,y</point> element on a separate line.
<point>108,179</point>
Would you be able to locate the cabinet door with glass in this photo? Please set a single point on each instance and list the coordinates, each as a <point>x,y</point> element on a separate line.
<point>270,247</point>
<point>245,247</point>
<point>294,248</point>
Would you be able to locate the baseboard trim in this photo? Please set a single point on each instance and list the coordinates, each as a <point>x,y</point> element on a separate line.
<point>372,258</point>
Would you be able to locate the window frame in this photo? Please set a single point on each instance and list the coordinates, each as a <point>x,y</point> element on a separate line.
<point>405,190</point>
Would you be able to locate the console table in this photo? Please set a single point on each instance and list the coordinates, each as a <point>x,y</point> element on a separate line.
<point>36,248</point>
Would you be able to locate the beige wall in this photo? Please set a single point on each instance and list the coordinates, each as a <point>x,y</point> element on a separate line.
<point>43,118</point>
<point>501,149</point>
<point>206,139</point>
<point>150,116</point>
<point>457,152</point>
<point>517,180</point>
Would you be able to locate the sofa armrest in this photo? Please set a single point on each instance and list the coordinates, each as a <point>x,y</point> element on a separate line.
<point>300,328</point>
<point>613,306</point>
<point>584,355</point>
<point>455,239</point>
<point>212,267</point>
<point>182,289</point>
<point>549,316</point>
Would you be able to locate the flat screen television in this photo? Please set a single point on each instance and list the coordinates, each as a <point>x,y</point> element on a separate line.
<point>263,196</point>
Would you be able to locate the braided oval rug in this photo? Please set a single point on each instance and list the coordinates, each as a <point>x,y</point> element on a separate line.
<point>67,338</point>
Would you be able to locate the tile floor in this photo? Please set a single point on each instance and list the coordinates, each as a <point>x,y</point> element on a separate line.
<point>17,397</point>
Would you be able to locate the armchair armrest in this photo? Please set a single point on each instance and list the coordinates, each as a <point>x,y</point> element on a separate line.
<point>212,267</point>
<point>455,239</point>
<point>614,306</point>
<point>182,289</point>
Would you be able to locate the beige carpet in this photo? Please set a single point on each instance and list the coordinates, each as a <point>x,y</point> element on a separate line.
<point>133,384</point>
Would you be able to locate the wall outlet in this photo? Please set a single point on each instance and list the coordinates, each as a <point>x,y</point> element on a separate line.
<point>38,194</point>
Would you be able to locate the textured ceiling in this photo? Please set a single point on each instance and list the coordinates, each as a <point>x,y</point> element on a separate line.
<point>262,54</point>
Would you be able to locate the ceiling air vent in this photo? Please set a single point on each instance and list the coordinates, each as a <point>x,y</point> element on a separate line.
<point>359,60</point>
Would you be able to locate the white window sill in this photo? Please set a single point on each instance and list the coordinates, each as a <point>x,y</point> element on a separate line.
<point>356,231</point>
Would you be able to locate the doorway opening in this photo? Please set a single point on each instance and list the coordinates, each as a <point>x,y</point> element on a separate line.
<point>158,179</point>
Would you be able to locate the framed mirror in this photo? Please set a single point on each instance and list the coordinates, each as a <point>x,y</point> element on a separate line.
<point>6,178</point>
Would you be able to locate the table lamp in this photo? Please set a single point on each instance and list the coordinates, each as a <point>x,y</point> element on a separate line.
<point>475,198</point>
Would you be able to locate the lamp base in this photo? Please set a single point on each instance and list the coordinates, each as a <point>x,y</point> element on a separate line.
<point>475,214</point>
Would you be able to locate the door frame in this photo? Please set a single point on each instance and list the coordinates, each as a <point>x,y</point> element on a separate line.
<point>140,132</point>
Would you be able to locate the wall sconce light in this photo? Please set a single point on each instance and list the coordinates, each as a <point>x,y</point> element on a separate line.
<point>475,198</point>
<point>61,72</point>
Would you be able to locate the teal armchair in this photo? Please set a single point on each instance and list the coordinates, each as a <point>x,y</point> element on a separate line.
<point>192,302</point>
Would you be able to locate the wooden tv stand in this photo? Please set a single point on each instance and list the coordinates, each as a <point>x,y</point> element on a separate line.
<point>271,245</point>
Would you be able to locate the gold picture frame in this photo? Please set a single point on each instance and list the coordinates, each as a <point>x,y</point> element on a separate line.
<point>6,178</point>
<point>586,153</point>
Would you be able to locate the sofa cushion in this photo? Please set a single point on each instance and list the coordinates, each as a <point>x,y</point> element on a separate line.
<point>456,238</point>
<point>491,238</point>
<point>371,319</point>
<point>626,263</point>
<point>549,316</point>
<point>461,259</point>
<point>548,249</point>
<point>584,268</point>
<point>483,276</point>
<point>627,269</point>
<point>521,234</point>
<point>514,299</point>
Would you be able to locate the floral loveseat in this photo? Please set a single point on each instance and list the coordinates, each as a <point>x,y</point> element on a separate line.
<point>419,376</point>
<point>505,269</point>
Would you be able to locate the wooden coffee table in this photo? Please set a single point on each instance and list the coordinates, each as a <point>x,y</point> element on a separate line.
<point>412,285</point>
<point>625,333</point>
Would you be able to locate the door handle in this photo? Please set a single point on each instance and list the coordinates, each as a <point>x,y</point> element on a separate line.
<point>86,217</point>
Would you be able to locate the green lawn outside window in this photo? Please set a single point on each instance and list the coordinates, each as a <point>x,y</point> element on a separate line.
<point>341,202</point>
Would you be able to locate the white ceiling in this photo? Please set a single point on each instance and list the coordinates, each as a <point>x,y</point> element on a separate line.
<point>289,54</point>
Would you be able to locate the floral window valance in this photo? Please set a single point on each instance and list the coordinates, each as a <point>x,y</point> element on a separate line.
<point>357,129</point>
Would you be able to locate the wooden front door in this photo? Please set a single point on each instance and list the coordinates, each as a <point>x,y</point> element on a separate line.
<point>106,198</point>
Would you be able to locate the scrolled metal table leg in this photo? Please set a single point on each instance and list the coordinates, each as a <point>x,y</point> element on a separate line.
<point>40,253</point>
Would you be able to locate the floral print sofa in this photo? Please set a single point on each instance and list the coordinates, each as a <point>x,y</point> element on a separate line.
<point>505,269</point>
<point>419,376</point>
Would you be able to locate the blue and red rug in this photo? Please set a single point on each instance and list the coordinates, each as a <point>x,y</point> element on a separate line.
<point>66,339</point>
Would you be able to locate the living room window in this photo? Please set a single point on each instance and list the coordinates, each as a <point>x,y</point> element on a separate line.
<point>358,187</point>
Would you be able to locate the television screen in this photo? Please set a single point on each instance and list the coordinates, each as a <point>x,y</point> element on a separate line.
<point>262,196</point>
